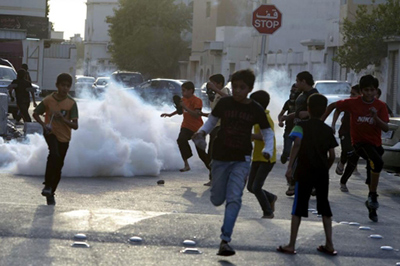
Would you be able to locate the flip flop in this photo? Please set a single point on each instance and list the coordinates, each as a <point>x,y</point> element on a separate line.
<point>282,250</point>
<point>177,103</point>
<point>184,169</point>
<point>324,250</point>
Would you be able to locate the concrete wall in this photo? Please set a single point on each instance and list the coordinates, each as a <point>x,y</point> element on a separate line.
<point>34,8</point>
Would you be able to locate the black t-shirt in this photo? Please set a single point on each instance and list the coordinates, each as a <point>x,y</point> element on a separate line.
<point>301,103</point>
<point>316,140</point>
<point>233,142</point>
<point>289,106</point>
<point>21,92</point>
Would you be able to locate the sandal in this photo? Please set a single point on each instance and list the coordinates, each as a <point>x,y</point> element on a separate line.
<point>323,249</point>
<point>282,250</point>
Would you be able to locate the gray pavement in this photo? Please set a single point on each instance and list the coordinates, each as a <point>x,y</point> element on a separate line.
<point>110,210</point>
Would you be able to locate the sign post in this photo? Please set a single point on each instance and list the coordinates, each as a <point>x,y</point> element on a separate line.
<point>266,20</point>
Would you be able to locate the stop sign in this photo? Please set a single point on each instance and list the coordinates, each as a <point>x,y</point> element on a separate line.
<point>267,19</point>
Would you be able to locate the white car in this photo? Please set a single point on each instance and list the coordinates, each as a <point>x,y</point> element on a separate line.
<point>391,145</point>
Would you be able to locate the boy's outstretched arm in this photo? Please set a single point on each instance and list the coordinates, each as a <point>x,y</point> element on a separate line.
<point>169,115</point>
<point>331,157</point>
<point>293,155</point>
<point>328,111</point>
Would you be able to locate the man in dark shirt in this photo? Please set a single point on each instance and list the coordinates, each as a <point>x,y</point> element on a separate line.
<point>22,88</point>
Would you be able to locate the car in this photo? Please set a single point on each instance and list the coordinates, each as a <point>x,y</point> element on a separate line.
<point>126,79</point>
<point>391,145</point>
<point>100,84</point>
<point>7,75</point>
<point>333,90</point>
<point>83,84</point>
<point>159,91</point>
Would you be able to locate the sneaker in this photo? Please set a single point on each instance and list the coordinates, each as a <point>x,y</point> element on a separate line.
<point>283,158</point>
<point>313,192</point>
<point>339,168</point>
<point>268,216</point>
<point>290,191</point>
<point>47,191</point>
<point>50,200</point>
<point>373,201</point>
<point>343,188</point>
<point>225,249</point>
<point>208,184</point>
<point>372,213</point>
<point>272,203</point>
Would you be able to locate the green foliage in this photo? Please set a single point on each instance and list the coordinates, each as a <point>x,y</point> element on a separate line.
<point>146,36</point>
<point>364,39</point>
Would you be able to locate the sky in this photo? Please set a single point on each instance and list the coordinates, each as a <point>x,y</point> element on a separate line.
<point>68,16</point>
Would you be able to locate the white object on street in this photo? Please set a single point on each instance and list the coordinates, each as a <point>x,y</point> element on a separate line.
<point>376,236</point>
<point>386,248</point>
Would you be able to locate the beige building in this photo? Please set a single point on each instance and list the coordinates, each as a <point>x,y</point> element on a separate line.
<point>224,39</point>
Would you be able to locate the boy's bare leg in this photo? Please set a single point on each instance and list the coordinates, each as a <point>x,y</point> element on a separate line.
<point>294,229</point>
<point>186,167</point>
<point>327,222</point>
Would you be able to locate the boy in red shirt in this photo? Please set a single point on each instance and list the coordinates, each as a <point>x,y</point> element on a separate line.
<point>369,116</point>
<point>192,121</point>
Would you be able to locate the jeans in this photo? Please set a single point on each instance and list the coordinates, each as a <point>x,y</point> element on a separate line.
<point>258,173</point>
<point>55,161</point>
<point>228,182</point>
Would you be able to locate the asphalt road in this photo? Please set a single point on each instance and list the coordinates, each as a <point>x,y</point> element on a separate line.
<point>110,210</point>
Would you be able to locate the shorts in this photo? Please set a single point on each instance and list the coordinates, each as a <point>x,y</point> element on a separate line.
<point>302,195</point>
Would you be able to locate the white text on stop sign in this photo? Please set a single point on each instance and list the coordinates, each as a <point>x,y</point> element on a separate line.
<point>259,23</point>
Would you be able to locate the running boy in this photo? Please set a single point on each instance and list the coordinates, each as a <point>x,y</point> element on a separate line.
<point>260,166</point>
<point>345,143</point>
<point>192,121</point>
<point>232,149</point>
<point>61,115</point>
<point>369,116</point>
<point>313,147</point>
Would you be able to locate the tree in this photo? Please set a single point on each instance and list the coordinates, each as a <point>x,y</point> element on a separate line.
<point>146,36</point>
<point>364,39</point>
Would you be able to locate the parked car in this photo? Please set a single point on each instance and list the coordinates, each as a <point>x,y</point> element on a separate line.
<point>159,91</point>
<point>7,75</point>
<point>83,84</point>
<point>334,91</point>
<point>391,145</point>
<point>126,79</point>
<point>100,84</point>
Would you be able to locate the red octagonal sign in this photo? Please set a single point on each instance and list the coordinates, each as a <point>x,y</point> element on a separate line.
<point>267,19</point>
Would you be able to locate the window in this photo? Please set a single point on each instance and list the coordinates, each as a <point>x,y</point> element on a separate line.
<point>208,9</point>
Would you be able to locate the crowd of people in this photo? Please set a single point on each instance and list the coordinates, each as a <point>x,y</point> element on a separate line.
<point>235,161</point>
<point>242,145</point>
